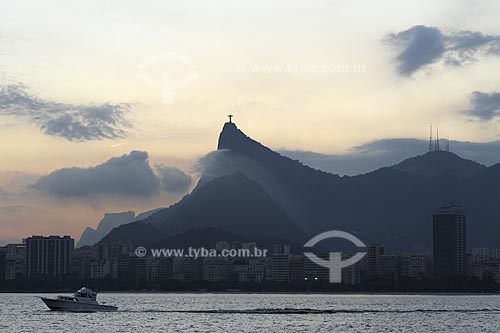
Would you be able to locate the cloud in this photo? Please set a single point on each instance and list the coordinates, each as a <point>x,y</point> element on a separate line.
<point>420,46</point>
<point>127,175</point>
<point>69,121</point>
<point>484,106</point>
<point>173,179</point>
<point>386,152</point>
<point>220,163</point>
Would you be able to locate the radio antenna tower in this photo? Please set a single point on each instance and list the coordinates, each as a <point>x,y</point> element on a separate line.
<point>437,138</point>
<point>431,144</point>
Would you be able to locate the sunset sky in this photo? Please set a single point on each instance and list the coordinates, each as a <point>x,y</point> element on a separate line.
<point>141,90</point>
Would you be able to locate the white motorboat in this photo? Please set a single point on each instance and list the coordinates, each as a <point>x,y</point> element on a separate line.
<point>84,300</point>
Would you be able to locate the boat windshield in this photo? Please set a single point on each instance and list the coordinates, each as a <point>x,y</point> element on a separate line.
<point>85,293</point>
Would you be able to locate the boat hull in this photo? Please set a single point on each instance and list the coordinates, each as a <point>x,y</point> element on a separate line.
<point>70,306</point>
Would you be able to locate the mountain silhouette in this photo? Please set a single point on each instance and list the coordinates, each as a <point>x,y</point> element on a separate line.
<point>392,205</point>
<point>232,203</point>
<point>110,221</point>
<point>438,163</point>
<point>91,236</point>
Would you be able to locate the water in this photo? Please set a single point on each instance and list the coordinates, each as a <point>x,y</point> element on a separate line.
<point>260,313</point>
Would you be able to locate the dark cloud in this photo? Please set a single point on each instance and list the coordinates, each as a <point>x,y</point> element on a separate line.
<point>127,175</point>
<point>421,45</point>
<point>72,122</point>
<point>173,179</point>
<point>484,106</point>
<point>382,153</point>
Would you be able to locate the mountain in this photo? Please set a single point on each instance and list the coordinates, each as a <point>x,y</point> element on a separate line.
<point>110,221</point>
<point>236,204</point>
<point>439,163</point>
<point>198,238</point>
<point>376,154</point>
<point>392,205</point>
<point>232,203</point>
<point>208,237</point>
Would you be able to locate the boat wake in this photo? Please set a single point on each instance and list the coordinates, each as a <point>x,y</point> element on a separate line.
<point>318,311</point>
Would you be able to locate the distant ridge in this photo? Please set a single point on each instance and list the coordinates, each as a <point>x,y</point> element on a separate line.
<point>437,163</point>
<point>392,205</point>
<point>110,221</point>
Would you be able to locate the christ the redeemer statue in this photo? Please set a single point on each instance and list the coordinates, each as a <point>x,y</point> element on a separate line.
<point>230,117</point>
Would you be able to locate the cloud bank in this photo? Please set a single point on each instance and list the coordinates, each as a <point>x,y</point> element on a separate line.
<point>381,153</point>
<point>68,121</point>
<point>173,180</point>
<point>484,106</point>
<point>127,175</point>
<point>420,46</point>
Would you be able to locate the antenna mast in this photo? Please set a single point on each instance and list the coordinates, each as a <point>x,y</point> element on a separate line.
<point>437,138</point>
<point>431,145</point>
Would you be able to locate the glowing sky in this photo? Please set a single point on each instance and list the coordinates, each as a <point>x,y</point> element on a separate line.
<point>241,57</point>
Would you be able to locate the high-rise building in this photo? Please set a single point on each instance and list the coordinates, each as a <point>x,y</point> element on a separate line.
<point>375,251</point>
<point>449,242</point>
<point>280,263</point>
<point>351,275</point>
<point>296,268</point>
<point>3,262</point>
<point>48,256</point>
<point>15,261</point>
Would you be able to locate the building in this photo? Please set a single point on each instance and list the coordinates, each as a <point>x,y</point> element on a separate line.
<point>495,253</point>
<point>313,271</point>
<point>296,268</point>
<point>48,256</point>
<point>280,268</point>
<point>161,269</point>
<point>221,245</point>
<point>414,266</point>
<point>3,255</point>
<point>83,259</point>
<point>484,268</point>
<point>449,242</point>
<point>387,266</point>
<point>250,270</point>
<point>216,269</point>
<point>351,275</point>
<point>187,268</point>
<point>375,251</point>
<point>114,259</point>
<point>481,252</point>
<point>15,261</point>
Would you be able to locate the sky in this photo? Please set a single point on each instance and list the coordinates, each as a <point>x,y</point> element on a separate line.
<point>97,93</point>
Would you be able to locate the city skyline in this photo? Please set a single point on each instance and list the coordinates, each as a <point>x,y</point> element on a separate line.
<point>245,263</point>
